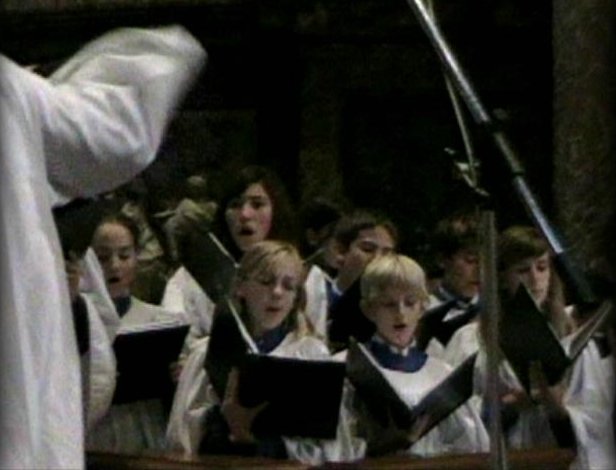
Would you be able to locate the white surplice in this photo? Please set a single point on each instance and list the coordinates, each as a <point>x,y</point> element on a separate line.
<point>136,426</point>
<point>194,396</point>
<point>184,295</point>
<point>461,432</point>
<point>588,399</point>
<point>91,127</point>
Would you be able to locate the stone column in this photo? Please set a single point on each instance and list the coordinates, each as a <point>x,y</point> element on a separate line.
<point>585,130</point>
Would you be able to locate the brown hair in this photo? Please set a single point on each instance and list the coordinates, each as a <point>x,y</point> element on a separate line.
<point>520,242</point>
<point>264,257</point>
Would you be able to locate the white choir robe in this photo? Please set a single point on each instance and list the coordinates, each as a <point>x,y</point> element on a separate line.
<point>532,428</point>
<point>317,304</point>
<point>98,368</point>
<point>461,432</point>
<point>93,285</point>
<point>183,294</point>
<point>588,399</point>
<point>136,426</point>
<point>90,128</point>
<point>195,395</point>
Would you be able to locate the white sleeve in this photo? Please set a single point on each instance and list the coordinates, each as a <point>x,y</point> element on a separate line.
<point>462,345</point>
<point>95,289</point>
<point>316,301</point>
<point>588,400</point>
<point>104,113</point>
<point>193,398</point>
<point>100,371</point>
<point>184,295</point>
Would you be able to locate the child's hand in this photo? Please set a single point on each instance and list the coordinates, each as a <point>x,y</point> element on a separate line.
<point>550,397</point>
<point>239,418</point>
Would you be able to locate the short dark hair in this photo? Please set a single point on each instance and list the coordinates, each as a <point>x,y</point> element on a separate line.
<point>456,232</point>
<point>284,225</point>
<point>127,222</point>
<point>348,227</point>
<point>519,242</point>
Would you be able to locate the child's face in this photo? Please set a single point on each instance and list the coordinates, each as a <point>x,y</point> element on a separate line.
<point>115,248</point>
<point>370,243</point>
<point>249,217</point>
<point>534,273</point>
<point>270,296</point>
<point>461,272</point>
<point>395,314</point>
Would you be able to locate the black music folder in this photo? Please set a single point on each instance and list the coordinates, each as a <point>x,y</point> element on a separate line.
<point>209,263</point>
<point>144,355</point>
<point>303,395</point>
<point>384,403</point>
<point>76,223</point>
<point>526,336</point>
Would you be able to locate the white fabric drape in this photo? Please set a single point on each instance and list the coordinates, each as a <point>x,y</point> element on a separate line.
<point>91,127</point>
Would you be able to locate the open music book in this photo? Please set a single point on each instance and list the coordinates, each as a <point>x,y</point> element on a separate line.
<point>210,264</point>
<point>144,354</point>
<point>303,395</point>
<point>384,403</point>
<point>526,336</point>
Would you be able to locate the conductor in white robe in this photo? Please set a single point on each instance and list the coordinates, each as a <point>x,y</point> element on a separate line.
<point>92,126</point>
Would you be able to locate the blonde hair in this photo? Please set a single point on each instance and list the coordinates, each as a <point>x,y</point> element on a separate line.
<point>263,258</point>
<point>392,270</point>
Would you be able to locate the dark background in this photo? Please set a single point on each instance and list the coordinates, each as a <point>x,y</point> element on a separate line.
<point>343,98</point>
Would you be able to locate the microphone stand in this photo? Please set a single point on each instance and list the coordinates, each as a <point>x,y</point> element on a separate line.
<point>577,284</point>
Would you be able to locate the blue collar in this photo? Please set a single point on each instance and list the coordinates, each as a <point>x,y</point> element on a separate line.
<point>333,293</point>
<point>271,339</point>
<point>409,360</point>
<point>122,305</point>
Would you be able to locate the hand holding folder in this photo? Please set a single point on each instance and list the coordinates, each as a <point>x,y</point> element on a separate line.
<point>526,337</point>
<point>302,396</point>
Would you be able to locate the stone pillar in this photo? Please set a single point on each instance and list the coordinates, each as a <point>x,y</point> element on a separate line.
<point>585,130</point>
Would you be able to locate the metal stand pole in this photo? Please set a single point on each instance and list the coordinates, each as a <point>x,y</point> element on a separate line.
<point>573,278</point>
<point>490,329</point>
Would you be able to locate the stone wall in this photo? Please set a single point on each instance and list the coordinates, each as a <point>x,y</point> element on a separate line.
<point>585,130</point>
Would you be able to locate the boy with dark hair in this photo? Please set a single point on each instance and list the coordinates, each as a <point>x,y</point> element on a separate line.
<point>454,302</point>
<point>359,237</point>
